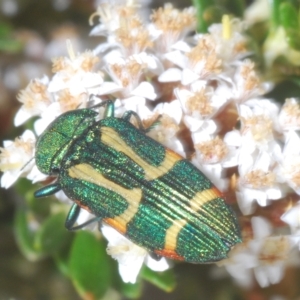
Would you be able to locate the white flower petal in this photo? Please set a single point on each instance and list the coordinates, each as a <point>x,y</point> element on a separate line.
<point>22,116</point>
<point>172,109</point>
<point>275,272</point>
<point>261,277</point>
<point>8,179</point>
<point>130,272</point>
<point>261,227</point>
<point>260,197</point>
<point>144,89</point>
<point>170,75</point>
<point>129,256</point>
<point>56,84</point>
<point>192,123</point>
<point>292,144</point>
<point>133,103</point>
<point>109,87</point>
<point>177,58</point>
<point>292,217</point>
<point>157,265</point>
<point>91,79</point>
<point>243,277</point>
<point>263,161</point>
<point>61,196</point>
<point>35,175</point>
<point>41,124</point>
<point>189,76</point>
<point>7,143</point>
<point>245,204</point>
<point>181,46</point>
<point>274,193</point>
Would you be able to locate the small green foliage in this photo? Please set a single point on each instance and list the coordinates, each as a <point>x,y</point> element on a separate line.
<point>209,12</point>
<point>163,280</point>
<point>89,267</point>
<point>289,19</point>
<point>132,291</point>
<point>24,236</point>
<point>37,240</point>
<point>7,42</point>
<point>201,6</point>
<point>52,235</point>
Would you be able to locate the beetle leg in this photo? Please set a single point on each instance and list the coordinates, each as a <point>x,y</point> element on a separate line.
<point>154,124</point>
<point>109,110</point>
<point>47,190</point>
<point>128,114</point>
<point>72,218</point>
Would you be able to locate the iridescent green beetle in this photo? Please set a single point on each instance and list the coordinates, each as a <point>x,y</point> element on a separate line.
<point>147,192</point>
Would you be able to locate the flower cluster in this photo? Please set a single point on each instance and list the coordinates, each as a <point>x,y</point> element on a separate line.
<point>210,100</point>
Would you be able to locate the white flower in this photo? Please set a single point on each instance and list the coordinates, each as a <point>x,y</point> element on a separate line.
<point>230,42</point>
<point>198,107</point>
<point>76,74</point>
<point>168,116</point>
<point>246,83</point>
<point>288,169</point>
<point>257,182</point>
<point>169,26</point>
<point>200,63</point>
<point>109,16</point>
<point>130,256</point>
<point>202,101</point>
<point>35,98</point>
<point>289,116</point>
<point>16,159</point>
<point>264,256</point>
<point>127,74</point>
<point>212,156</point>
<point>122,26</point>
<point>257,127</point>
<point>292,217</point>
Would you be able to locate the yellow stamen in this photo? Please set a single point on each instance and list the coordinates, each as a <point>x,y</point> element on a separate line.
<point>227,30</point>
<point>70,50</point>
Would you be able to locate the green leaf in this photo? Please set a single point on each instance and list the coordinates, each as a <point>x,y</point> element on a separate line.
<point>52,235</point>
<point>132,291</point>
<point>9,45</point>
<point>288,16</point>
<point>200,6</point>
<point>23,185</point>
<point>40,207</point>
<point>61,259</point>
<point>24,235</point>
<point>289,20</point>
<point>89,266</point>
<point>213,14</point>
<point>7,41</point>
<point>163,280</point>
<point>293,38</point>
<point>275,15</point>
<point>236,7</point>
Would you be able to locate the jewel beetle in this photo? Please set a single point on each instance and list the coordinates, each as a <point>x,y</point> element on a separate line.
<point>147,192</point>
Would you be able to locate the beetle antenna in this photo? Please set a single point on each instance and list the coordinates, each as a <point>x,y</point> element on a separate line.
<point>30,160</point>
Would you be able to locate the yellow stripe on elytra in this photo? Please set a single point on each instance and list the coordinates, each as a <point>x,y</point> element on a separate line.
<point>133,197</point>
<point>172,234</point>
<point>203,197</point>
<point>111,138</point>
